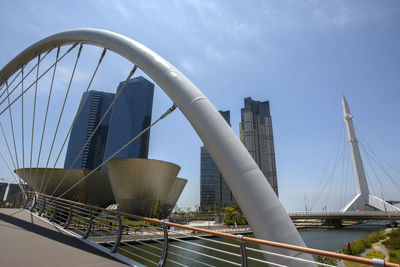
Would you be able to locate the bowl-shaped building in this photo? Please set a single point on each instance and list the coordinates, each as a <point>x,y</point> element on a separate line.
<point>94,190</point>
<point>137,184</point>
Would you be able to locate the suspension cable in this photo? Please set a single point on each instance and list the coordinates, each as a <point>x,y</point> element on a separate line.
<point>47,111</point>
<point>48,52</point>
<point>8,147</point>
<point>379,161</point>
<point>320,190</point>
<point>13,134</point>
<point>169,111</point>
<point>34,116</point>
<point>12,174</point>
<point>22,117</point>
<point>62,111</point>
<point>97,126</point>
<point>75,118</point>
<point>34,82</point>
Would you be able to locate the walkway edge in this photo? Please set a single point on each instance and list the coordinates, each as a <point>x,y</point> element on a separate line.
<point>90,243</point>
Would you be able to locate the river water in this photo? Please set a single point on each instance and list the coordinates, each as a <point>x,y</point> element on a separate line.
<point>334,239</point>
<point>325,239</point>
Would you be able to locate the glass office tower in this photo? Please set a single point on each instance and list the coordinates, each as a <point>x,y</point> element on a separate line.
<point>93,107</point>
<point>214,191</point>
<point>131,114</point>
<point>256,135</point>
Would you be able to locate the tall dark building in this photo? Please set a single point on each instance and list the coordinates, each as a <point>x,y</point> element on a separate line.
<point>214,191</point>
<point>93,107</point>
<point>130,114</point>
<point>256,135</point>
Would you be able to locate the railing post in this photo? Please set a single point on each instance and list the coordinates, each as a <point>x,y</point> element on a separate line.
<point>163,258</point>
<point>34,202</point>
<point>242,250</point>
<point>54,213</point>
<point>69,217</point>
<point>43,207</point>
<point>89,228</point>
<point>26,202</point>
<point>119,235</point>
<point>378,262</point>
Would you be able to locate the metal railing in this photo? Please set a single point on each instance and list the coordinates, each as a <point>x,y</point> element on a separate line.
<point>145,241</point>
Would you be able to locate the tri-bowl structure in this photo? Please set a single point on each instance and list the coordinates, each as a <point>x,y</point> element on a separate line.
<point>133,183</point>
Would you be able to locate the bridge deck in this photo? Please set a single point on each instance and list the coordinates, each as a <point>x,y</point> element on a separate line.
<point>26,240</point>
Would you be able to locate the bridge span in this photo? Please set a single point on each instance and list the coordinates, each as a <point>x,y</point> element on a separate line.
<point>349,215</point>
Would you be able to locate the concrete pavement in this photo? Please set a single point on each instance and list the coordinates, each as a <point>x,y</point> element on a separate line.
<point>26,240</point>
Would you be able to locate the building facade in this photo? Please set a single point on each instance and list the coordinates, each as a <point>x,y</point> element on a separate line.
<point>214,191</point>
<point>257,136</point>
<point>93,107</point>
<point>130,114</point>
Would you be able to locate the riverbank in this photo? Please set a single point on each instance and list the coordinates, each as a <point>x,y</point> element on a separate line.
<point>384,244</point>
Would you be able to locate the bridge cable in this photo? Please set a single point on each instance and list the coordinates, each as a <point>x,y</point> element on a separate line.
<point>12,173</point>
<point>34,116</point>
<point>15,77</point>
<point>22,80</point>
<point>8,85</point>
<point>379,162</point>
<point>73,46</point>
<point>169,111</point>
<point>375,173</point>
<point>12,131</point>
<point>22,118</point>
<point>46,113</point>
<point>62,112</point>
<point>339,156</point>
<point>97,126</point>
<point>76,116</point>
<point>8,146</point>
<point>320,189</point>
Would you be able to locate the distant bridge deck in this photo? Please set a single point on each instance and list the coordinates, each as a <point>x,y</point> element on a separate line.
<point>26,240</point>
<point>337,215</point>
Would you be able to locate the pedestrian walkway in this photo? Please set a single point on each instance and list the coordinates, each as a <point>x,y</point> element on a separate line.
<point>26,240</point>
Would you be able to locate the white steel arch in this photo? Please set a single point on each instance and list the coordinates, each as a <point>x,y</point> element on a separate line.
<point>257,199</point>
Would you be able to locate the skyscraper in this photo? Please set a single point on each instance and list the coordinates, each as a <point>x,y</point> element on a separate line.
<point>130,114</point>
<point>256,135</point>
<point>93,107</point>
<point>214,192</point>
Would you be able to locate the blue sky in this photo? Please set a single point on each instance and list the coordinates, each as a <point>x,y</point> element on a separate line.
<point>302,56</point>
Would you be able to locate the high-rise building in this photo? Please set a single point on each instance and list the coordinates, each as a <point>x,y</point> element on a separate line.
<point>214,191</point>
<point>93,107</point>
<point>130,114</point>
<point>256,135</point>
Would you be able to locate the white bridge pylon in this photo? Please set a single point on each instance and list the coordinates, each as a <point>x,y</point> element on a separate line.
<point>363,197</point>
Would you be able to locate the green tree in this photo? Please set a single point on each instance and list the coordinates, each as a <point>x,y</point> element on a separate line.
<point>233,214</point>
<point>157,211</point>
